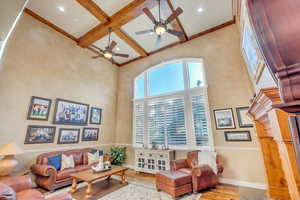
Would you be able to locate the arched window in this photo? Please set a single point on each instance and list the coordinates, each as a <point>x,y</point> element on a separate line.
<point>171,106</point>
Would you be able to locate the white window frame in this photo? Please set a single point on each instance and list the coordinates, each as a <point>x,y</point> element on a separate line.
<point>187,93</point>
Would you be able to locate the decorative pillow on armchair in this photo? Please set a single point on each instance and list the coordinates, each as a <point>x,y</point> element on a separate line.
<point>208,158</point>
<point>67,162</point>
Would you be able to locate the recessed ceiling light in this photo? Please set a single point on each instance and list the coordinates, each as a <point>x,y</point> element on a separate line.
<point>118,49</point>
<point>200,10</point>
<point>61,8</point>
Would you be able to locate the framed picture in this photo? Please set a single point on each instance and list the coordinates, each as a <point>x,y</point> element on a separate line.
<point>68,136</point>
<point>40,134</point>
<point>238,136</point>
<point>251,53</point>
<point>70,113</point>
<point>96,114</point>
<point>224,119</point>
<point>244,120</point>
<point>90,134</point>
<point>39,108</point>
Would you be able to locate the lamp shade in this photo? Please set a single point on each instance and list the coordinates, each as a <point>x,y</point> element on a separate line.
<point>10,149</point>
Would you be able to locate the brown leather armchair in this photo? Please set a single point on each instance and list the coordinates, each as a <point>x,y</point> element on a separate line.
<point>202,177</point>
<point>20,188</point>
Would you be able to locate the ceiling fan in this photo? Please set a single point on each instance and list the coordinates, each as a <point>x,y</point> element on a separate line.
<point>160,25</point>
<point>108,51</point>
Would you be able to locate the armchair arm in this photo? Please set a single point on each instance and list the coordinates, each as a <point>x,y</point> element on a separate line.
<point>6,192</point>
<point>204,170</point>
<point>178,164</point>
<point>43,170</point>
<point>64,196</point>
<point>18,183</point>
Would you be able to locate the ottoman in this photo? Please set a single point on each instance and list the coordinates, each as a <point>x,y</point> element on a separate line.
<point>175,183</point>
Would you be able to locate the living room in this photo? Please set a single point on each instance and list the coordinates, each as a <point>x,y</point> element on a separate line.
<point>143,99</point>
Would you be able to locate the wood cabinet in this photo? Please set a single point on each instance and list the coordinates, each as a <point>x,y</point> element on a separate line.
<point>152,161</point>
<point>276,142</point>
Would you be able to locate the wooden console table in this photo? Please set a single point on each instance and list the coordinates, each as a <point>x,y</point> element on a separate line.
<point>272,127</point>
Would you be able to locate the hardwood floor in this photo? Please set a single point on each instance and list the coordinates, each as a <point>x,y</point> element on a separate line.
<point>221,192</point>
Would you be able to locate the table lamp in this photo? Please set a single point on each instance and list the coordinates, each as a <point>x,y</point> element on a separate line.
<point>9,162</point>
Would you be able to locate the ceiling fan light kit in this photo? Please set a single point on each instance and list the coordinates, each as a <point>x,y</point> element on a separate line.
<point>108,51</point>
<point>160,25</point>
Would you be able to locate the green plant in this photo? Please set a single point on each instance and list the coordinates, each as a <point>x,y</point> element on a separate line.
<point>118,155</point>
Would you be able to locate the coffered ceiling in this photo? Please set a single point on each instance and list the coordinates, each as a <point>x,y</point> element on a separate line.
<point>87,21</point>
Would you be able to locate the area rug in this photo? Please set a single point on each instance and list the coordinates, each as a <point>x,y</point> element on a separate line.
<point>135,190</point>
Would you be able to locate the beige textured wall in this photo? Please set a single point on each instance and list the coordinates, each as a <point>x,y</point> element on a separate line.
<point>229,86</point>
<point>41,62</point>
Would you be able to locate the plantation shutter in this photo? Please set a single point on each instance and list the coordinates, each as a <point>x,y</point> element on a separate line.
<point>156,122</point>
<point>139,123</point>
<point>199,120</point>
<point>175,122</point>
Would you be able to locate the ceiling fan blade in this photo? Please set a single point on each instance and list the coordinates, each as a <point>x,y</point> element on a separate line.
<point>99,56</point>
<point>175,14</point>
<point>121,55</point>
<point>158,41</point>
<point>144,32</point>
<point>113,44</point>
<point>176,33</point>
<point>150,15</point>
<point>95,47</point>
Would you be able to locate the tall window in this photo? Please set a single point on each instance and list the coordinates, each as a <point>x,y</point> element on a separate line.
<point>171,106</point>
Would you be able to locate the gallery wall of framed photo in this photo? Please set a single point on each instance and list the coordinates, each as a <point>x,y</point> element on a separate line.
<point>73,122</point>
<point>234,123</point>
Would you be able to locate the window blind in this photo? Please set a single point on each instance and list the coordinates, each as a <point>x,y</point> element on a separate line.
<point>199,120</point>
<point>139,123</point>
<point>175,122</point>
<point>156,122</point>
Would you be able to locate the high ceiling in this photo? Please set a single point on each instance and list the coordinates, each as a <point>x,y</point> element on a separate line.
<point>87,21</point>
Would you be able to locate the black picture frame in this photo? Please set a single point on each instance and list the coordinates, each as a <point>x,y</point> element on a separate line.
<point>61,132</point>
<point>30,115</point>
<point>217,122</point>
<point>241,121</point>
<point>66,121</point>
<point>92,113</point>
<point>40,139</point>
<point>86,138</point>
<point>229,139</point>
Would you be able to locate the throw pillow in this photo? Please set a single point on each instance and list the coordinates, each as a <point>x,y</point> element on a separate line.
<point>208,158</point>
<point>55,161</point>
<point>92,158</point>
<point>99,151</point>
<point>67,162</point>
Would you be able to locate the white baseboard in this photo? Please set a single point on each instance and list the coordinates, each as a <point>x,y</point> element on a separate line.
<point>243,183</point>
<point>229,181</point>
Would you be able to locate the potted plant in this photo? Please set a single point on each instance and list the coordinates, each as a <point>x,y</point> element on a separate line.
<point>118,155</point>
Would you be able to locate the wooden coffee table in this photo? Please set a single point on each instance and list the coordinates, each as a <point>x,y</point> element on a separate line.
<point>104,187</point>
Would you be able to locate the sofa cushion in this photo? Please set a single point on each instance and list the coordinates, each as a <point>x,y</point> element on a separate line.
<point>78,158</point>
<point>173,178</point>
<point>65,173</point>
<point>82,167</point>
<point>93,158</point>
<point>29,194</point>
<point>55,161</point>
<point>186,170</point>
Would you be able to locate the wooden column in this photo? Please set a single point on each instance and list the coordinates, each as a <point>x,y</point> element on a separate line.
<point>276,145</point>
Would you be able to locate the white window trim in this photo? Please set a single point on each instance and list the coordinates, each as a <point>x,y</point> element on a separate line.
<point>186,93</point>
